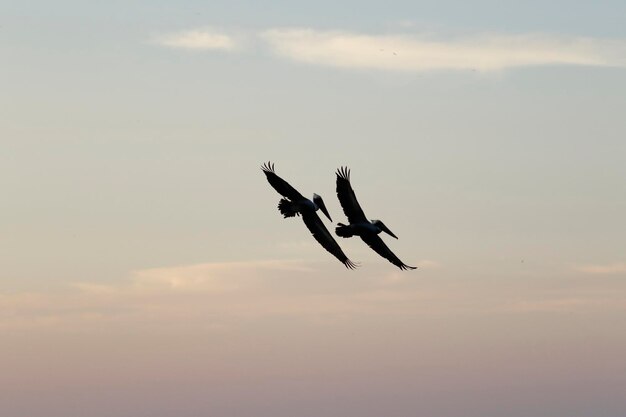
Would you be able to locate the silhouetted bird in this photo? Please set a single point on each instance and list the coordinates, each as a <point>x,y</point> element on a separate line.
<point>295,204</point>
<point>359,225</point>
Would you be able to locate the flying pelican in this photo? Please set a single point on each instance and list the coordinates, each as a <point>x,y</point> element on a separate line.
<point>295,204</point>
<point>359,225</point>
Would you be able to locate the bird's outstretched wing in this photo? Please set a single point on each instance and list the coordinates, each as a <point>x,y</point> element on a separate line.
<point>347,198</point>
<point>323,236</point>
<point>376,243</point>
<point>280,184</point>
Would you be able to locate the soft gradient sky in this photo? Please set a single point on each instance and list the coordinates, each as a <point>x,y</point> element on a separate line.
<point>145,270</point>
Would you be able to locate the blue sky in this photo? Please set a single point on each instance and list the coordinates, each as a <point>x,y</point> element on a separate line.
<point>142,252</point>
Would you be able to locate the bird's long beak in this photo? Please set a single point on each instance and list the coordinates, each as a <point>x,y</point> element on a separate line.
<point>386,230</point>
<point>322,207</point>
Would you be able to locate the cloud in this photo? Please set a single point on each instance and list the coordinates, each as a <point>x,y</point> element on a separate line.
<point>557,305</point>
<point>410,53</point>
<point>198,39</point>
<point>428,264</point>
<point>231,291</point>
<point>219,295</point>
<point>614,268</point>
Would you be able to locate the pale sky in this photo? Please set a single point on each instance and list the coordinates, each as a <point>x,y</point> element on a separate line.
<point>146,270</point>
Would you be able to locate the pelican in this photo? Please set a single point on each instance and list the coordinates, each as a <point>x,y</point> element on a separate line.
<point>359,225</point>
<point>295,204</point>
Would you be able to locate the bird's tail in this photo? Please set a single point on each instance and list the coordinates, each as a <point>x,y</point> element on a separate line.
<point>343,231</point>
<point>287,208</point>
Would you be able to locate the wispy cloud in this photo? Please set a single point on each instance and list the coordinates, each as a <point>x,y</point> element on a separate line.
<point>234,290</point>
<point>557,305</point>
<point>206,278</point>
<point>412,53</point>
<point>220,294</point>
<point>603,269</point>
<point>198,39</point>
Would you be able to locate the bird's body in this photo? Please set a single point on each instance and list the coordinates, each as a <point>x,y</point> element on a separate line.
<point>295,204</point>
<point>359,229</point>
<point>359,225</point>
<point>290,208</point>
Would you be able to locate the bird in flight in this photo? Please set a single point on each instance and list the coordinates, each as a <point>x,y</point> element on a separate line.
<point>295,204</point>
<point>359,225</point>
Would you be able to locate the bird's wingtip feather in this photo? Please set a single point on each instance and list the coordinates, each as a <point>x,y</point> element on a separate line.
<point>351,264</point>
<point>267,167</point>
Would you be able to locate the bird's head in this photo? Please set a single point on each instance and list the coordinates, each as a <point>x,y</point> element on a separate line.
<point>384,228</point>
<point>320,204</point>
